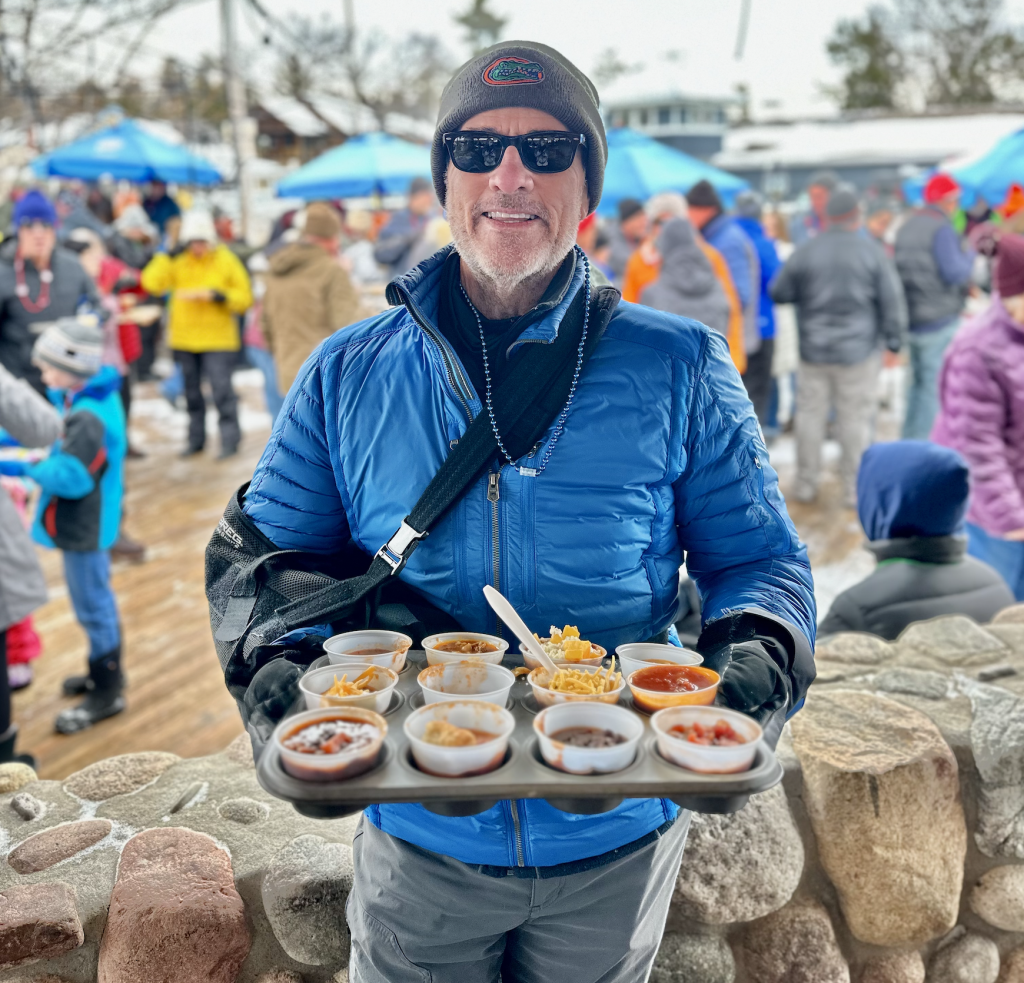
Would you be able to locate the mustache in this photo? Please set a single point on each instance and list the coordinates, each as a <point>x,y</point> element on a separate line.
<point>511,203</point>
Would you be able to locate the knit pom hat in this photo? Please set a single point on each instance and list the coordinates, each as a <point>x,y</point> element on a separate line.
<point>72,344</point>
<point>1009,271</point>
<point>33,206</point>
<point>523,73</point>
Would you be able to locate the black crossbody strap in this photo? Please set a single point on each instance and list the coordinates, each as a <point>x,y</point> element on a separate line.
<point>513,400</point>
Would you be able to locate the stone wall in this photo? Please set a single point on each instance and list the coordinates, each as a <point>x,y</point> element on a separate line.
<point>893,849</point>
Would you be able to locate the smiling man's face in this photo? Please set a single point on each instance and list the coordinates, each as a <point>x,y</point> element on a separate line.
<point>512,224</point>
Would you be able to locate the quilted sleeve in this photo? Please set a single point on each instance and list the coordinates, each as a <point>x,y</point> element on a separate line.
<point>975,410</point>
<point>294,496</point>
<point>742,549</point>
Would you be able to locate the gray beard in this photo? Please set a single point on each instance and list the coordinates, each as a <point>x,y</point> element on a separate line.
<point>514,272</point>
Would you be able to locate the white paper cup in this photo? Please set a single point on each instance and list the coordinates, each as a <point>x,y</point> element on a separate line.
<point>454,681</point>
<point>639,655</point>
<point>547,698</point>
<point>706,758</point>
<point>597,656</point>
<point>358,646</point>
<point>459,762</point>
<point>329,767</point>
<point>436,656</point>
<point>584,760</point>
<point>379,688</point>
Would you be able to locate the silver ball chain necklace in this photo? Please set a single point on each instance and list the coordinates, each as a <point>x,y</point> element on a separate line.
<point>560,423</point>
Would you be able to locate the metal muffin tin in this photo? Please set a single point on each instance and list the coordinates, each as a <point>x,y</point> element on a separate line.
<point>523,775</point>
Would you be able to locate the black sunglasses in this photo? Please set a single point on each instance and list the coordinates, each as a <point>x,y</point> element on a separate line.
<point>543,151</point>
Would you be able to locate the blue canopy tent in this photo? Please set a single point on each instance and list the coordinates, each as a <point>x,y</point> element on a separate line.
<point>639,166</point>
<point>989,175</point>
<point>126,152</point>
<point>371,164</point>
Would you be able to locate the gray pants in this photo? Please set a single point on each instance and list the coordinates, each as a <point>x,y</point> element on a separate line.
<point>217,367</point>
<point>851,391</point>
<point>420,917</point>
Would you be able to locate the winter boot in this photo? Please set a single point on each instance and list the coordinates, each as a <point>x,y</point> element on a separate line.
<point>103,698</point>
<point>7,754</point>
<point>76,685</point>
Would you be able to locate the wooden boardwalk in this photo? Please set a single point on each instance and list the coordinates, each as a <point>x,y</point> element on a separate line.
<point>176,696</point>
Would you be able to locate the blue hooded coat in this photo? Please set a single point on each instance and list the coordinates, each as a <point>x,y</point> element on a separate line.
<point>82,480</point>
<point>912,497</point>
<point>660,454</point>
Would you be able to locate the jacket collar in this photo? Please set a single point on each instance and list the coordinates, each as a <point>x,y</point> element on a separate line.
<point>924,549</point>
<point>419,291</point>
<point>719,222</point>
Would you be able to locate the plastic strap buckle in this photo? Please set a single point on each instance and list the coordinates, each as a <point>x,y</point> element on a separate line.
<point>399,547</point>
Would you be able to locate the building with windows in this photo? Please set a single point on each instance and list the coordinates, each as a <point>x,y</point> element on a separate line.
<point>656,101</point>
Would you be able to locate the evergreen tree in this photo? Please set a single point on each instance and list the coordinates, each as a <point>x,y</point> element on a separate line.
<point>483,26</point>
<point>869,52</point>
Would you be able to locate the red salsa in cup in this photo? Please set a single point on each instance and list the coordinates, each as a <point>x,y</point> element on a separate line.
<point>669,679</point>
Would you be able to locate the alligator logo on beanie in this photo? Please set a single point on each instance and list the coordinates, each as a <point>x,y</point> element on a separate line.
<point>510,70</point>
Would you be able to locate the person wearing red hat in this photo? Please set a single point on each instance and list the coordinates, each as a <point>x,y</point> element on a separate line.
<point>936,271</point>
<point>981,389</point>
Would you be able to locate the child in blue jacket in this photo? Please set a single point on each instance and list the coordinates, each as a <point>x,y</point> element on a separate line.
<point>80,509</point>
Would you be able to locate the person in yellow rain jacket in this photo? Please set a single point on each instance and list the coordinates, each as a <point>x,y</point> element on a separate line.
<point>208,288</point>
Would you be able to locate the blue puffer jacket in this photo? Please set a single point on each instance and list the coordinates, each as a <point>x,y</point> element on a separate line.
<point>82,480</point>
<point>660,454</point>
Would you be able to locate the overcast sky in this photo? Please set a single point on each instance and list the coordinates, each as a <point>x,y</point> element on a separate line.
<point>784,63</point>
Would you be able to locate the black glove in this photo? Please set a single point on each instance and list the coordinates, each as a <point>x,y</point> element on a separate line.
<point>765,663</point>
<point>751,681</point>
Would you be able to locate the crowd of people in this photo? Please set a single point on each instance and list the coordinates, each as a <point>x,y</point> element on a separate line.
<point>738,323</point>
<point>92,290</point>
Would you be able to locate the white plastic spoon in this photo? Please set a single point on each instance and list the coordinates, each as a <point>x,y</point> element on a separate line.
<point>499,603</point>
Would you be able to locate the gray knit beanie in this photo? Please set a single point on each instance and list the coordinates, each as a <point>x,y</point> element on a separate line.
<point>523,73</point>
<point>72,344</point>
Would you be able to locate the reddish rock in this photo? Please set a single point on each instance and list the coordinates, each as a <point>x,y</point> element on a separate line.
<point>38,921</point>
<point>175,916</point>
<point>56,844</point>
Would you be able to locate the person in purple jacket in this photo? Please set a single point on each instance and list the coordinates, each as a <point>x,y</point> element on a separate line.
<point>981,391</point>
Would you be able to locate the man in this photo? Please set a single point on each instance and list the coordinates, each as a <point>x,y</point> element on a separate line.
<point>39,282</point>
<point>758,377</point>
<point>627,236</point>
<point>657,456</point>
<point>723,232</point>
<point>405,228</point>
<point>308,296</point>
<point>848,305</point>
<point>208,288</point>
<point>806,225</point>
<point>162,209</point>
<point>880,215</point>
<point>936,274</point>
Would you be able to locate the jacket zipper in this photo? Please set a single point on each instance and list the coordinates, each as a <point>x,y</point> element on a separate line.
<point>493,496</point>
<point>455,377</point>
<point>520,861</point>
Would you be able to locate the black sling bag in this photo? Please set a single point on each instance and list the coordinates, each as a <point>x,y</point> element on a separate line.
<point>259,593</point>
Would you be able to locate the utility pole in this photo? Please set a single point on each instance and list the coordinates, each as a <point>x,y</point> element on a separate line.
<point>235,91</point>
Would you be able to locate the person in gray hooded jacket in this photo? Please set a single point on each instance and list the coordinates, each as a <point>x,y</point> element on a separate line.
<point>686,283</point>
<point>849,304</point>
<point>33,422</point>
